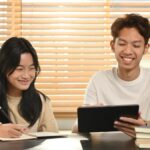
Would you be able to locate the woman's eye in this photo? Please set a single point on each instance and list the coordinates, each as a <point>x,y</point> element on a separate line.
<point>33,68</point>
<point>19,69</point>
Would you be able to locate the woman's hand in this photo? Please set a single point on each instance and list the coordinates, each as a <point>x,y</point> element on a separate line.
<point>127,125</point>
<point>10,130</point>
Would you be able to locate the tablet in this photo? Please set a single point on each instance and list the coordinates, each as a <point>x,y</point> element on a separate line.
<point>101,118</point>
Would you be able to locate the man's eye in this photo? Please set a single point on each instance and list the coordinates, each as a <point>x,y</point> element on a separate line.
<point>121,44</point>
<point>136,46</point>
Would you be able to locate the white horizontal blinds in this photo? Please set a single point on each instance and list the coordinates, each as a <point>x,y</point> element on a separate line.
<point>4,24</point>
<point>72,41</point>
<point>14,20</point>
<point>71,38</point>
<point>10,19</point>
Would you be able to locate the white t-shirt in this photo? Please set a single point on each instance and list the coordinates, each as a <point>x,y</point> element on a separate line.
<point>106,88</point>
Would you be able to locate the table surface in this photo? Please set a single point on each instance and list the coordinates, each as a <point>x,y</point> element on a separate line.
<point>94,141</point>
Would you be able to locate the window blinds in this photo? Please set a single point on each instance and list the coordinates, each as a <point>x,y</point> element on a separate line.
<point>71,39</point>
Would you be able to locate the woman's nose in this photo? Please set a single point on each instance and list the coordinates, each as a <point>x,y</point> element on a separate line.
<point>26,73</point>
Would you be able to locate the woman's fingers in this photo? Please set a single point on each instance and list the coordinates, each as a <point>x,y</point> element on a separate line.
<point>12,130</point>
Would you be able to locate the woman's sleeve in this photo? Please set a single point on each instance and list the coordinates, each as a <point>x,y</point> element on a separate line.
<point>47,121</point>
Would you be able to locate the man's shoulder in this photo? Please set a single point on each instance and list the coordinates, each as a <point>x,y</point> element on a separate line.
<point>145,74</point>
<point>145,70</point>
<point>102,74</point>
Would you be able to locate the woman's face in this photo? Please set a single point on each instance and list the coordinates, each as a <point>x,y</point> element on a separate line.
<point>22,76</point>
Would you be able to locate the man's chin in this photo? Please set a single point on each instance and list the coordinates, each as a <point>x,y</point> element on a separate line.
<point>126,67</point>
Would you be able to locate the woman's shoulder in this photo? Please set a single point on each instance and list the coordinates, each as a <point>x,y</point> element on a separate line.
<point>43,97</point>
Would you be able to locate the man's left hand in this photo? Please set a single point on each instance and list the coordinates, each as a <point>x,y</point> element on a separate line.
<point>127,125</point>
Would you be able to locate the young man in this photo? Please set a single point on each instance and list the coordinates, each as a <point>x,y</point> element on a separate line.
<point>128,83</point>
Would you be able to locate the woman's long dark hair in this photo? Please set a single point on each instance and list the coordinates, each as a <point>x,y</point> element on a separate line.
<point>30,105</point>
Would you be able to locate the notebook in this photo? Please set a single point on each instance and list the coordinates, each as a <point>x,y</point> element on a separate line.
<point>101,118</point>
<point>143,131</point>
<point>35,135</point>
<point>143,143</point>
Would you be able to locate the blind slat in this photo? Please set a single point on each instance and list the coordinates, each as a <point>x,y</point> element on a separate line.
<point>60,86</point>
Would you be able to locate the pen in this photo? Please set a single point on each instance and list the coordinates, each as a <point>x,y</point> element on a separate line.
<point>5,115</point>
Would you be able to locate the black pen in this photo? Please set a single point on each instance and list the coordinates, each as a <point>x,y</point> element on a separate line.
<point>5,115</point>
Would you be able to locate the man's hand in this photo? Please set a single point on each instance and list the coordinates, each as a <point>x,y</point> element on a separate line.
<point>127,125</point>
<point>10,130</point>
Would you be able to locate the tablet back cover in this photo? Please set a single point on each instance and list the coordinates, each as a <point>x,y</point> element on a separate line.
<point>100,119</point>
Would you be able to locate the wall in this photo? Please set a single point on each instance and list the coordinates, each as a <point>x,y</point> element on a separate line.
<point>65,123</point>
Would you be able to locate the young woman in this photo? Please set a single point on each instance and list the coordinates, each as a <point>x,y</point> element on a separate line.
<point>19,98</point>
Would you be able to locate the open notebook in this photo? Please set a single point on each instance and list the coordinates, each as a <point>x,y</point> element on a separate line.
<point>34,135</point>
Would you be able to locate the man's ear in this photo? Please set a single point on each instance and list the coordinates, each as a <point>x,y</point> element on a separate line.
<point>146,48</point>
<point>112,45</point>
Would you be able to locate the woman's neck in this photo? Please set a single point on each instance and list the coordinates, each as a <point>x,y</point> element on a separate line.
<point>14,93</point>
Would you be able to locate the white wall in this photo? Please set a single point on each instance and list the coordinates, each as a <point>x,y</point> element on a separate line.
<point>65,123</point>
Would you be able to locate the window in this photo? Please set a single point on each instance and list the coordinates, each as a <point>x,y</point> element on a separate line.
<point>71,39</point>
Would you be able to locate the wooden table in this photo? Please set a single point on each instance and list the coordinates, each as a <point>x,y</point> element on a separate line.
<point>95,141</point>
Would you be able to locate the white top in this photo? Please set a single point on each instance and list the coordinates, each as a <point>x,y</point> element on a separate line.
<point>106,88</point>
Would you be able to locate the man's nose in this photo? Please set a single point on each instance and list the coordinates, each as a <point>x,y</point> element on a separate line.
<point>128,48</point>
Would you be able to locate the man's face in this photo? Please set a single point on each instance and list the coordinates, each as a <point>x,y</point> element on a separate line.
<point>129,48</point>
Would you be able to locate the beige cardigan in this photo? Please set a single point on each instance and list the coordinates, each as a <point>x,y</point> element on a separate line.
<point>46,121</point>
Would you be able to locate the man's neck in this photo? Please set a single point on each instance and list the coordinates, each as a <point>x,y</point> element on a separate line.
<point>128,75</point>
